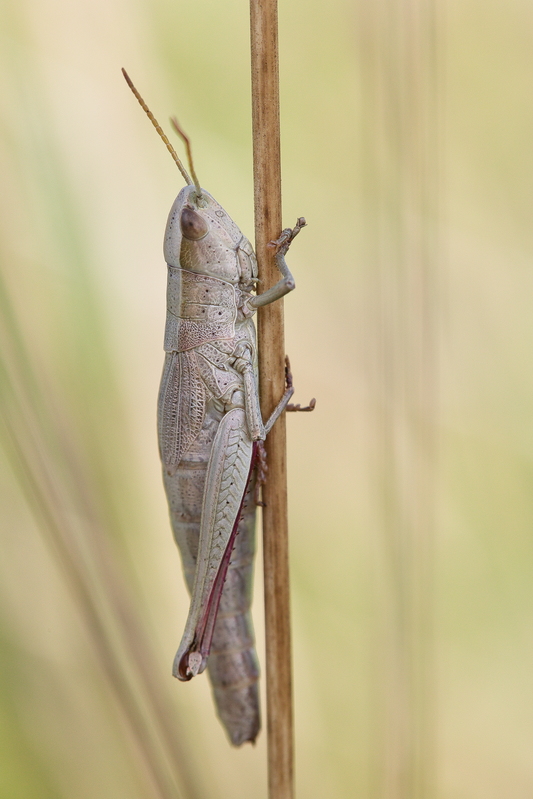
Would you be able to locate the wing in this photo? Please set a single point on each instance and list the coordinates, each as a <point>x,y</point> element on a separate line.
<point>181,407</point>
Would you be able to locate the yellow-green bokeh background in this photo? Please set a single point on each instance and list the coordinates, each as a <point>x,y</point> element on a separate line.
<point>91,593</point>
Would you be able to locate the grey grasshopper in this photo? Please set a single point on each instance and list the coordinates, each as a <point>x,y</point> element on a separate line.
<point>211,435</point>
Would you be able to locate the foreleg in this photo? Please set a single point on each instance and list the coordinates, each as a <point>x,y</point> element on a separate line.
<point>287,283</point>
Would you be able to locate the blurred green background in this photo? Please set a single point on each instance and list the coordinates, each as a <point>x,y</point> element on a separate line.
<point>407,132</point>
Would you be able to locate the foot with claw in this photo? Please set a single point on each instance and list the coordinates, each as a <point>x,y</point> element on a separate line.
<point>311,407</point>
<point>282,244</point>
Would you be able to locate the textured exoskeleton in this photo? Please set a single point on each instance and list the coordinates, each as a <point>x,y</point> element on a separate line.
<point>211,433</point>
<point>210,427</point>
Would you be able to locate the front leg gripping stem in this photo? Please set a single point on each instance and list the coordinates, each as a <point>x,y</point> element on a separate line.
<point>287,282</point>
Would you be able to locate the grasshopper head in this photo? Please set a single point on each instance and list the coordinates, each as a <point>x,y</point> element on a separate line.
<point>194,218</point>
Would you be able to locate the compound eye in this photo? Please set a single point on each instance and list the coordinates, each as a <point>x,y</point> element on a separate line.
<point>193,226</point>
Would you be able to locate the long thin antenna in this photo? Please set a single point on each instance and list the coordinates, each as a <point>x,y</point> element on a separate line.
<point>157,126</point>
<point>181,133</point>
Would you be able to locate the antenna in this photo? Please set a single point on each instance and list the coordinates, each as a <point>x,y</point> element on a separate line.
<point>157,126</point>
<point>181,133</point>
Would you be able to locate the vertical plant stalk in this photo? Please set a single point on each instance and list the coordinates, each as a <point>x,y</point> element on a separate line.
<point>267,200</point>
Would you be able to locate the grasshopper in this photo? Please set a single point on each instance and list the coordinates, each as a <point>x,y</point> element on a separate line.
<point>211,435</point>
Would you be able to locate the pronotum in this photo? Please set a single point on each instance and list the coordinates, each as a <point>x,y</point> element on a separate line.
<point>211,435</point>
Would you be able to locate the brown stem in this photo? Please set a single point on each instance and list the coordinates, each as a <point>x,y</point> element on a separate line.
<point>267,197</point>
